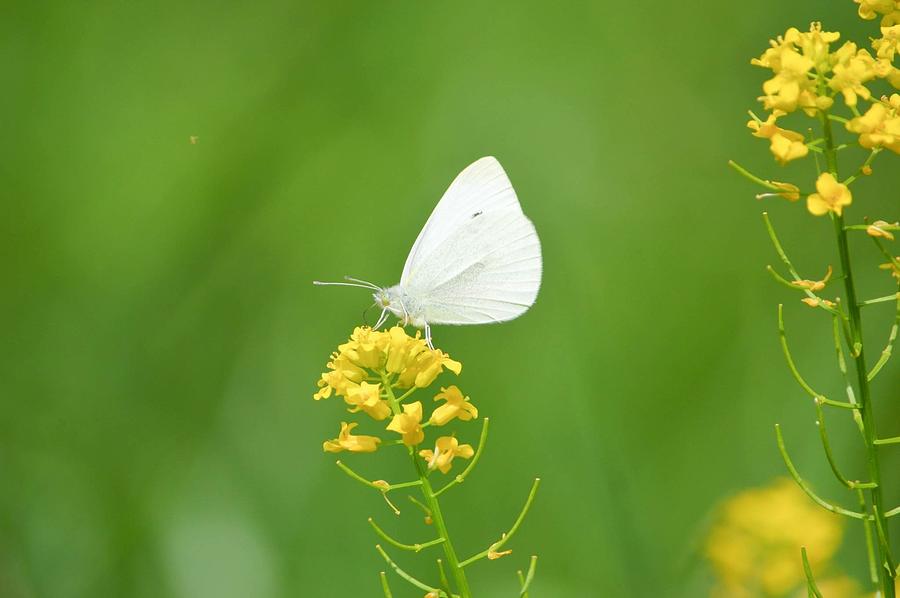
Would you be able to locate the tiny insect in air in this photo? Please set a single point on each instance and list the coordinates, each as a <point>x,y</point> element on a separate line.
<point>477,260</point>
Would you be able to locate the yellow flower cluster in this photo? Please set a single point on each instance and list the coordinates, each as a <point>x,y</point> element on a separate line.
<point>368,369</point>
<point>755,542</point>
<point>806,73</point>
<point>809,71</point>
<point>888,10</point>
<point>880,125</point>
<point>392,352</point>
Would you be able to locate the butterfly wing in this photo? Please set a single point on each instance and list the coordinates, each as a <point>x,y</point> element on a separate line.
<point>478,257</point>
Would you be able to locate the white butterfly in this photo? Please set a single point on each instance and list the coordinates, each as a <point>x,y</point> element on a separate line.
<point>476,261</point>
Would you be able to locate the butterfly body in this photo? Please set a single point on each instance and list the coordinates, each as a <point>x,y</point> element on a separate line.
<point>406,307</point>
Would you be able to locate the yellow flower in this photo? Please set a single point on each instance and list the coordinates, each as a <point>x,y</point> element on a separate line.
<point>445,450</point>
<point>888,45</point>
<point>771,58</point>
<point>409,424</point>
<point>831,196</point>
<point>348,442</point>
<point>791,58</point>
<point>757,536</point>
<point>402,349</point>
<point>816,302</point>
<point>343,376</point>
<point>852,68</point>
<point>877,229</point>
<point>788,191</point>
<point>890,267</point>
<point>885,70</point>
<point>366,348</point>
<point>494,554</point>
<point>869,9</point>
<point>785,145</point>
<point>456,406</point>
<point>367,397</point>
<point>879,126</point>
<point>814,285</point>
<point>782,92</point>
<point>815,44</point>
<point>422,370</point>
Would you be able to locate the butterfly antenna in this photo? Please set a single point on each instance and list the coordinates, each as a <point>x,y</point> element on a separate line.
<point>346,284</point>
<point>371,285</point>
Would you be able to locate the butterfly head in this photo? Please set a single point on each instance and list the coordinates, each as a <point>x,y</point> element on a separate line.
<point>391,299</point>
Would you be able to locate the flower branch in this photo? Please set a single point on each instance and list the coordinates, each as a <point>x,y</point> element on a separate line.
<point>400,545</point>
<point>805,487</point>
<point>492,552</point>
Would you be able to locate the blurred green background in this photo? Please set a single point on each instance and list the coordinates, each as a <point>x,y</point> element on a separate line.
<point>161,338</point>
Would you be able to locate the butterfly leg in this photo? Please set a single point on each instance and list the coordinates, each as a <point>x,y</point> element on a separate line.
<point>381,319</point>
<point>428,336</point>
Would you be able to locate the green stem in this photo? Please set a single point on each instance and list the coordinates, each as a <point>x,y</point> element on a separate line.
<point>859,359</point>
<point>384,585</point>
<point>826,445</point>
<point>459,576</point>
<point>870,543</point>
<point>805,487</point>
<point>812,588</point>
<point>403,574</point>
<point>525,580</point>
<point>412,547</point>
<point>752,177</point>
<point>461,477</point>
<point>445,583</point>
<point>508,535</point>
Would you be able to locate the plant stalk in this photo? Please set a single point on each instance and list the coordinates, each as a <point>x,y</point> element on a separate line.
<point>857,352</point>
<point>459,575</point>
